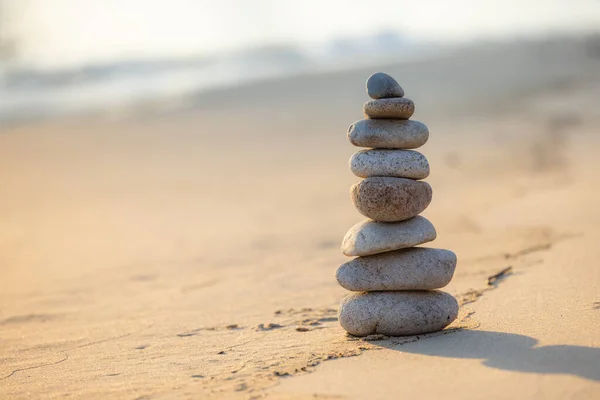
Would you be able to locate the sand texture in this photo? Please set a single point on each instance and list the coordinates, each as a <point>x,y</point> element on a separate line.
<point>192,254</point>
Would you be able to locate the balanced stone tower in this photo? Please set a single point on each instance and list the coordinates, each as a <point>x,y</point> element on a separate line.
<point>394,282</point>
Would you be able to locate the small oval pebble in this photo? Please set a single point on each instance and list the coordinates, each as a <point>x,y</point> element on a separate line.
<point>417,268</point>
<point>390,199</point>
<point>394,108</point>
<point>382,86</point>
<point>397,313</point>
<point>388,133</point>
<point>385,162</point>
<point>371,237</point>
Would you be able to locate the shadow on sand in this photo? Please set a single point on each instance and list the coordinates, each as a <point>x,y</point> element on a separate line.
<point>510,352</point>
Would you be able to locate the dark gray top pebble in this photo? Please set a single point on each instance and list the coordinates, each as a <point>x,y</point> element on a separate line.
<point>383,86</point>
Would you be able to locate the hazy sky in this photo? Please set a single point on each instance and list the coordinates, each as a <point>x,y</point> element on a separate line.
<point>76,31</point>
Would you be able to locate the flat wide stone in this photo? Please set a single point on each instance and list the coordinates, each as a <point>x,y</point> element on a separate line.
<point>388,133</point>
<point>394,108</point>
<point>388,199</point>
<point>370,237</point>
<point>382,86</point>
<point>397,313</point>
<point>385,162</point>
<point>417,268</point>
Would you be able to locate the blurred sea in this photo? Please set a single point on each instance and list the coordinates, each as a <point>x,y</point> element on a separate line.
<point>74,63</point>
<point>30,93</point>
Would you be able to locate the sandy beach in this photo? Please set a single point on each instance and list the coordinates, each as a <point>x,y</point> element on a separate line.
<point>191,253</point>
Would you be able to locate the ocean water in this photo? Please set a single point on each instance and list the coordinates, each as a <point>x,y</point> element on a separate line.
<point>116,87</point>
<point>60,57</point>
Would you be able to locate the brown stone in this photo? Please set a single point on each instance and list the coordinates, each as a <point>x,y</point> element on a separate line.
<point>389,199</point>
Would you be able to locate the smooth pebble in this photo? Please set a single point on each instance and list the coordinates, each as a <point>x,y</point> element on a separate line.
<point>388,133</point>
<point>390,199</point>
<point>399,313</point>
<point>385,162</point>
<point>394,108</point>
<point>371,237</point>
<point>418,268</point>
<point>382,86</point>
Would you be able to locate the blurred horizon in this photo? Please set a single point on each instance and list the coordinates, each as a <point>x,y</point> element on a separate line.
<point>71,56</point>
<point>71,33</point>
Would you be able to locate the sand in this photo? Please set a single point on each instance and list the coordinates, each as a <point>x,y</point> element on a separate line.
<point>192,254</point>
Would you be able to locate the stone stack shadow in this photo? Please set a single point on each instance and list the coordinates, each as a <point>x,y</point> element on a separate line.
<point>393,282</point>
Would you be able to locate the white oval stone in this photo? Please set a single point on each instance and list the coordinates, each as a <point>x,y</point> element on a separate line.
<point>417,268</point>
<point>371,237</point>
<point>395,108</point>
<point>388,199</point>
<point>385,162</point>
<point>397,313</point>
<point>388,133</point>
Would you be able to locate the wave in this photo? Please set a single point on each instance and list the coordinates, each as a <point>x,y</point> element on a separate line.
<point>33,93</point>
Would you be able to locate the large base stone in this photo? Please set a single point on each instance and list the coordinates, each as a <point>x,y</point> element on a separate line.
<point>397,313</point>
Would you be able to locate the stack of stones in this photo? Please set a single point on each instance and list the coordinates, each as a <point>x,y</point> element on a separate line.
<point>394,282</point>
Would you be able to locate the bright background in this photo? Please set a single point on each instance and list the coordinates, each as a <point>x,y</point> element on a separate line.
<point>117,53</point>
<point>61,32</point>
